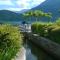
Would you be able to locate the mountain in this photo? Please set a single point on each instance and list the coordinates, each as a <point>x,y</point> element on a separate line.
<point>6,15</point>
<point>22,11</point>
<point>52,6</point>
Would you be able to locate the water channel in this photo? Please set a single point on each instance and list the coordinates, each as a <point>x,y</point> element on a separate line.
<point>34,52</point>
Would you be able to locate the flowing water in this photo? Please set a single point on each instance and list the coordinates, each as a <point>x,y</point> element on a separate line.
<point>33,52</point>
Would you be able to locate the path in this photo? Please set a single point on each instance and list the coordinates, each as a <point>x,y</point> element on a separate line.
<point>25,28</point>
<point>21,55</point>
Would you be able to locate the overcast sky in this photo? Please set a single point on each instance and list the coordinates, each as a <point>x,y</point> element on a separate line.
<point>17,5</point>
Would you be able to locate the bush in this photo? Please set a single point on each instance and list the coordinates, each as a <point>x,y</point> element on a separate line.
<point>10,41</point>
<point>40,28</point>
<point>47,30</point>
<point>54,33</point>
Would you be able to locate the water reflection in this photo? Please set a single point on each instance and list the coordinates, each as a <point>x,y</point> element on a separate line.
<point>34,52</point>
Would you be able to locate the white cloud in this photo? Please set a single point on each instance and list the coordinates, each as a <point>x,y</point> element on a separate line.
<point>29,3</point>
<point>17,5</point>
<point>23,3</point>
<point>37,2</point>
<point>14,9</point>
<point>6,2</point>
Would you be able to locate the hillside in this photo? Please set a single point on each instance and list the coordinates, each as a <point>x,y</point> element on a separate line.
<point>52,6</point>
<point>6,15</point>
<point>22,11</point>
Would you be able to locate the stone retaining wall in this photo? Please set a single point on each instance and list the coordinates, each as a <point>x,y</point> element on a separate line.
<point>49,46</point>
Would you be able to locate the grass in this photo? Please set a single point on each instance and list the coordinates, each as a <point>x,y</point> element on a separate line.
<point>10,41</point>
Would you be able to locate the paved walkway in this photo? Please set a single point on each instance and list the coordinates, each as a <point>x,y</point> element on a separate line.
<point>21,54</point>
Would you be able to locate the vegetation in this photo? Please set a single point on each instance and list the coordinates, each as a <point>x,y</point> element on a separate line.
<point>10,41</point>
<point>40,28</point>
<point>48,30</point>
<point>36,14</point>
<point>58,21</point>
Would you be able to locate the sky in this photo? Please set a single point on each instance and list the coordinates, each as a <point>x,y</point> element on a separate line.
<point>18,5</point>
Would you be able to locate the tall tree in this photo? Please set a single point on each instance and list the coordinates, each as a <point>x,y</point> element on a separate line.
<point>37,14</point>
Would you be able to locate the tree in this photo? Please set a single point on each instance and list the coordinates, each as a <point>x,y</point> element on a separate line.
<point>37,14</point>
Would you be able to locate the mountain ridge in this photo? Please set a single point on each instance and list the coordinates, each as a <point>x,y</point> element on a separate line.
<point>50,6</point>
<point>6,15</point>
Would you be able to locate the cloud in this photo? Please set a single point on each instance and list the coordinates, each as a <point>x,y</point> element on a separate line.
<point>6,2</point>
<point>23,3</point>
<point>17,5</point>
<point>14,9</point>
<point>36,3</point>
<point>29,3</point>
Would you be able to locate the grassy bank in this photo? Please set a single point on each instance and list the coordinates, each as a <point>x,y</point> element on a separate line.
<point>10,41</point>
<point>47,30</point>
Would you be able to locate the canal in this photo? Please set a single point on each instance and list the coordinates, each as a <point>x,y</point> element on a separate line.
<point>34,52</point>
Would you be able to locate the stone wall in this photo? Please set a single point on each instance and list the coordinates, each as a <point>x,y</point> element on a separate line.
<point>49,46</point>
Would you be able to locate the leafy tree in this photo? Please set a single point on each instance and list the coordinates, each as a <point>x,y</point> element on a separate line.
<point>37,14</point>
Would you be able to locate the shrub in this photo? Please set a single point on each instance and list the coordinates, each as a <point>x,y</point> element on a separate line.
<point>54,33</point>
<point>10,41</point>
<point>48,30</point>
<point>40,28</point>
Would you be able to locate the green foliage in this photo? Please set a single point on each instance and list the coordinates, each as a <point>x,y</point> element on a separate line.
<point>10,41</point>
<point>54,33</point>
<point>38,28</point>
<point>58,21</point>
<point>37,14</point>
<point>48,30</point>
